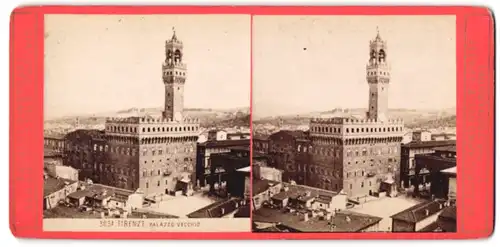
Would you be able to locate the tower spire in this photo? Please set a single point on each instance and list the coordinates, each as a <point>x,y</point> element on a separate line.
<point>378,35</point>
<point>174,37</point>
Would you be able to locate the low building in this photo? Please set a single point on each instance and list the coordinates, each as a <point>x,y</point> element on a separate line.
<point>267,173</point>
<point>216,135</point>
<point>419,218</point>
<point>206,149</point>
<point>408,152</point>
<point>56,190</point>
<point>428,170</point>
<point>221,209</point>
<point>421,136</point>
<point>263,190</point>
<point>224,174</point>
<point>443,136</point>
<point>239,135</point>
<point>58,170</point>
<point>103,196</point>
<point>243,174</point>
<point>451,175</point>
<point>260,144</point>
<point>54,141</point>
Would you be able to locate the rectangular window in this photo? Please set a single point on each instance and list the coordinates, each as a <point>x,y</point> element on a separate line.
<point>362,184</point>
<point>158,183</point>
<point>147,185</point>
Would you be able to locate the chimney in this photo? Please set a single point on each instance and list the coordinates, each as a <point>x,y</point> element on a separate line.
<point>308,193</point>
<point>223,211</point>
<point>427,212</point>
<point>285,188</point>
<point>306,217</point>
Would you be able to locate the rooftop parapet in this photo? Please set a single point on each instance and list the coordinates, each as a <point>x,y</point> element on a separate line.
<point>354,121</point>
<point>150,120</point>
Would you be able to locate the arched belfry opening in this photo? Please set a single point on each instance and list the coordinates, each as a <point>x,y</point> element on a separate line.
<point>178,56</point>
<point>170,56</point>
<point>381,55</point>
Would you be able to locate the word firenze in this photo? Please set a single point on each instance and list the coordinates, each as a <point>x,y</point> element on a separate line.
<point>150,224</point>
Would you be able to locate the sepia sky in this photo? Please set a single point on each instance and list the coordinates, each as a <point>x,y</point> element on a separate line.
<point>100,63</point>
<point>316,63</point>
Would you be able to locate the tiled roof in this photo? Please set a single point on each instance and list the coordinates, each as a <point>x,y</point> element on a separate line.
<point>215,210</point>
<point>344,221</point>
<point>418,212</point>
<point>97,191</point>
<point>429,144</point>
<point>52,185</point>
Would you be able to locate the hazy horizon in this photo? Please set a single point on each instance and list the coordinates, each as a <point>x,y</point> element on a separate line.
<point>106,63</point>
<point>317,63</point>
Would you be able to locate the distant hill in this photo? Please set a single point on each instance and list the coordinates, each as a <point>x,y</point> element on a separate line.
<point>207,117</point>
<point>411,117</point>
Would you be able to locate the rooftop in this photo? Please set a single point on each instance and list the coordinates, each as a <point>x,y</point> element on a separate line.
<point>261,185</point>
<point>54,135</point>
<point>99,191</point>
<point>298,134</point>
<point>260,137</point>
<point>217,209</point>
<point>52,185</point>
<point>343,221</point>
<point>450,149</point>
<point>225,143</point>
<point>298,192</point>
<point>429,144</point>
<point>419,212</point>
<point>92,133</point>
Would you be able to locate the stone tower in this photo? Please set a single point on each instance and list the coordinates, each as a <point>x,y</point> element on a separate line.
<point>378,76</point>
<point>174,77</point>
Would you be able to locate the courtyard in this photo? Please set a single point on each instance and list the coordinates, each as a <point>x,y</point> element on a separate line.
<point>181,206</point>
<point>385,207</point>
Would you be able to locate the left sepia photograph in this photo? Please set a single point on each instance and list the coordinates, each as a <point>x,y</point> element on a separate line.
<point>147,123</point>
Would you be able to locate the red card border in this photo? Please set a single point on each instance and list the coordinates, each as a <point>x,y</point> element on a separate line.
<point>475,118</point>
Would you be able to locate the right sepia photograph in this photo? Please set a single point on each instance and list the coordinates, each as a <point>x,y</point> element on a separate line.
<point>354,123</point>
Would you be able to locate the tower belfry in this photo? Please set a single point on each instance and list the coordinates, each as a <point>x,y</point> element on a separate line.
<point>378,77</point>
<point>174,78</point>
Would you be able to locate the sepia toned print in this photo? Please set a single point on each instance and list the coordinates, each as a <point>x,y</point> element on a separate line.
<point>147,123</point>
<point>362,136</point>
